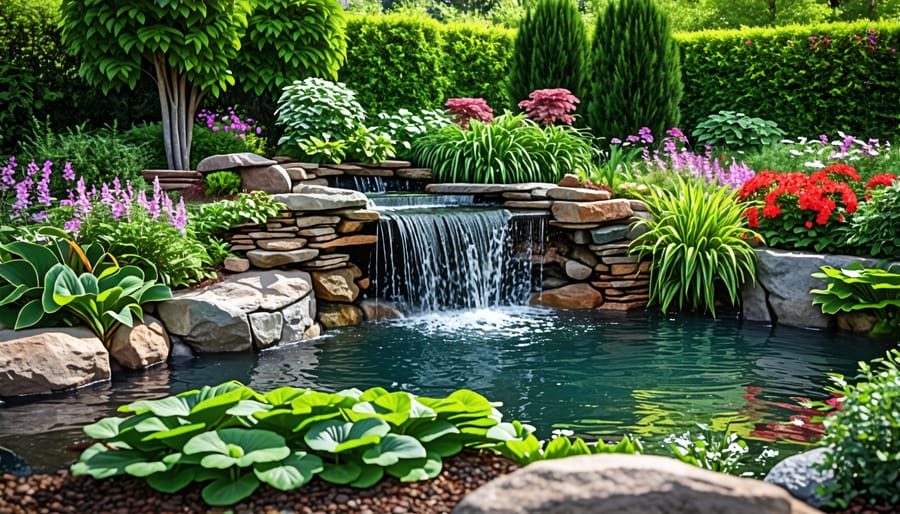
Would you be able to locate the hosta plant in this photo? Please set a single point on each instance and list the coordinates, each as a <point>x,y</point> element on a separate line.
<point>875,226</point>
<point>859,288</point>
<point>697,238</point>
<point>233,439</point>
<point>404,127</point>
<point>314,107</point>
<point>736,131</point>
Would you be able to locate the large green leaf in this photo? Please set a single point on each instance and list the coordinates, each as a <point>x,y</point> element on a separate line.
<point>343,473</point>
<point>173,480</point>
<point>392,448</point>
<point>335,437</point>
<point>291,473</point>
<point>224,491</point>
<point>29,315</point>
<point>19,272</point>
<point>105,464</point>
<point>106,428</point>
<point>413,470</point>
<point>237,447</point>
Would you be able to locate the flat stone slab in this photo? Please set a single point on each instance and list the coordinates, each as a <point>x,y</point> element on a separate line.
<point>232,161</point>
<point>591,212</point>
<point>266,259</point>
<point>578,194</point>
<point>369,172</point>
<point>479,189</point>
<point>321,198</point>
<point>540,205</point>
<point>414,173</point>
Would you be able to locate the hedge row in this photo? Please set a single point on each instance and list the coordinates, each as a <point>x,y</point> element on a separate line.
<point>397,61</point>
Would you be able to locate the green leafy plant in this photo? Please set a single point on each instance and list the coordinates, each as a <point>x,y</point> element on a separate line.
<point>324,150</point>
<point>210,221</point>
<point>512,149</point>
<point>722,452</point>
<point>369,146</point>
<point>205,142</point>
<point>521,445</point>
<point>222,183</point>
<point>697,239</point>
<point>314,107</point>
<point>736,131</point>
<point>48,284</point>
<point>863,434</point>
<point>857,288</point>
<point>404,127</point>
<point>233,438</point>
<point>875,226</point>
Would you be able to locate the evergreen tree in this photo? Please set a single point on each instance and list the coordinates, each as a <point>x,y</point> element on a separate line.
<point>551,51</point>
<point>636,71</point>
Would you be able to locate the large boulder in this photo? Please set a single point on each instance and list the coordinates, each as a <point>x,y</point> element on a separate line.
<point>626,484</point>
<point>337,285</point>
<point>40,361</point>
<point>573,296</point>
<point>232,161</point>
<point>215,319</point>
<point>298,319</point>
<point>142,345</point>
<point>269,179</point>
<point>800,476</point>
<point>337,315</point>
<point>591,212</point>
<point>321,198</point>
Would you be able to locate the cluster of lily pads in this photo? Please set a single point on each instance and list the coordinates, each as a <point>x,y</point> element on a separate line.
<point>235,438</point>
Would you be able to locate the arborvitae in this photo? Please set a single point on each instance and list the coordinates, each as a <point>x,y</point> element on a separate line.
<point>636,71</point>
<point>551,51</point>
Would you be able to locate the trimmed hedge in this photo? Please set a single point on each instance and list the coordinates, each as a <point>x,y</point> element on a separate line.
<point>398,61</point>
<point>811,80</point>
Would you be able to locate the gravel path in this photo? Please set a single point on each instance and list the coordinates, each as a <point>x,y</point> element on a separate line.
<point>62,493</point>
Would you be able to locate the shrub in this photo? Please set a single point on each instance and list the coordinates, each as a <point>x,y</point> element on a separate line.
<point>550,106</point>
<point>636,71</point>
<point>314,107</point>
<point>475,60</point>
<point>802,211</point>
<point>362,145</point>
<point>736,131</point>
<point>463,110</point>
<point>222,183</point>
<point>698,241</point>
<point>95,157</point>
<point>205,142</point>
<point>875,226</point>
<point>858,288</point>
<point>551,51</point>
<point>512,149</point>
<point>209,222</point>
<point>802,90</point>
<point>404,127</point>
<point>407,53</point>
<point>864,435</point>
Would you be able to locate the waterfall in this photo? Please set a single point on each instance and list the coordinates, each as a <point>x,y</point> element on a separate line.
<point>439,259</point>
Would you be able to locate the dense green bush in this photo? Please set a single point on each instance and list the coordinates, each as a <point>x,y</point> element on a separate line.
<point>856,288</point>
<point>476,60</point>
<point>875,226</point>
<point>736,131</point>
<point>97,156</point>
<point>404,127</point>
<point>636,71</point>
<point>395,62</point>
<point>317,108</point>
<point>551,51</point>
<point>808,79</point>
<point>206,142</point>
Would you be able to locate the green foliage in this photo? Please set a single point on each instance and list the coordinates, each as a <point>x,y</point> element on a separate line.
<point>97,156</point>
<point>802,92</point>
<point>222,183</point>
<point>407,54</point>
<point>188,44</point>
<point>513,149</point>
<point>856,288</point>
<point>314,107</point>
<point>736,131</point>
<point>206,142</point>
<point>475,61</point>
<point>636,71</point>
<point>875,226</point>
<point>551,51</point>
<point>523,447</point>
<point>362,145</point>
<point>716,451</point>
<point>404,127</point>
<point>233,438</point>
<point>290,40</point>
<point>208,222</point>
<point>697,239</point>
<point>178,259</point>
<point>55,283</point>
<point>864,435</point>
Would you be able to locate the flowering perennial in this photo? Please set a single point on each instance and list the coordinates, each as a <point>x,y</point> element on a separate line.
<point>123,202</point>
<point>229,122</point>
<point>551,106</point>
<point>462,110</point>
<point>31,193</point>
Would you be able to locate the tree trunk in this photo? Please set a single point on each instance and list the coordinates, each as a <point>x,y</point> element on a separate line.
<point>178,101</point>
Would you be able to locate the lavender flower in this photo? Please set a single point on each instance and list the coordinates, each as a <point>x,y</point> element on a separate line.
<point>68,174</point>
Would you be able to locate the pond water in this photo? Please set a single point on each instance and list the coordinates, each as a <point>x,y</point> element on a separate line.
<point>600,375</point>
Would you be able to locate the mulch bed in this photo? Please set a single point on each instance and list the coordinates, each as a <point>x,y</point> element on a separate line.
<point>860,506</point>
<point>62,493</point>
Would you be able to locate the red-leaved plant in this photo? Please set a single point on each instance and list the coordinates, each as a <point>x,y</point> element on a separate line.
<point>463,110</point>
<point>802,211</point>
<point>550,106</point>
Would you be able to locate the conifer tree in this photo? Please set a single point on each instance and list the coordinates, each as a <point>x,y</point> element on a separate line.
<point>636,71</point>
<point>551,51</point>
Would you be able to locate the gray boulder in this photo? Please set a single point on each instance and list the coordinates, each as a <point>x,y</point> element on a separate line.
<point>140,346</point>
<point>321,198</point>
<point>800,477</point>
<point>626,484</point>
<point>232,161</point>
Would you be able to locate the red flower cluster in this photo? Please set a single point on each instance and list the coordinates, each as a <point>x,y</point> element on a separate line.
<point>818,193</point>
<point>549,106</point>
<point>882,179</point>
<point>465,109</point>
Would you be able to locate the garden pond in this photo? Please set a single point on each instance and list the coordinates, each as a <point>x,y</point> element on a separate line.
<point>597,374</point>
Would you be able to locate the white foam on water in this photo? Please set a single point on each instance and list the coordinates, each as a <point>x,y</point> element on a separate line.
<point>509,321</point>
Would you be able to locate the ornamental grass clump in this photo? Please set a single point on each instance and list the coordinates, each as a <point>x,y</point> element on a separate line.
<point>697,239</point>
<point>800,211</point>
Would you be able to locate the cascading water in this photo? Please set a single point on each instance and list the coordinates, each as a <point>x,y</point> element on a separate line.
<point>441,259</point>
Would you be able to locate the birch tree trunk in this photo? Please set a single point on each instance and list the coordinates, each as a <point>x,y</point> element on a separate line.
<point>178,102</point>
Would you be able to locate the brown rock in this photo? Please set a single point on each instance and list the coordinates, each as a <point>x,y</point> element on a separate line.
<point>327,260</point>
<point>42,360</point>
<point>336,315</point>
<point>325,171</point>
<point>282,245</point>
<point>300,186</point>
<point>857,322</point>
<point>359,239</point>
<point>236,264</point>
<point>414,173</point>
<point>316,231</point>
<point>265,235</point>
<point>242,248</point>
<point>591,212</point>
<point>349,226</point>
<point>623,269</point>
<point>308,166</point>
<point>622,306</point>
<point>603,284</point>
<point>312,221</point>
<point>360,171</point>
<point>578,194</point>
<point>573,296</point>
<point>359,214</point>
<point>570,180</point>
<point>142,345</point>
<point>314,330</point>
<point>610,249</point>
<point>619,259</point>
<point>626,484</point>
<point>637,205</point>
<point>297,173</point>
<point>601,268</point>
<point>232,161</point>
<point>538,205</point>
<point>573,226</point>
<point>270,179</point>
<point>337,285</point>
<point>364,283</point>
<point>517,195</point>
<point>267,259</point>
<point>375,310</point>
